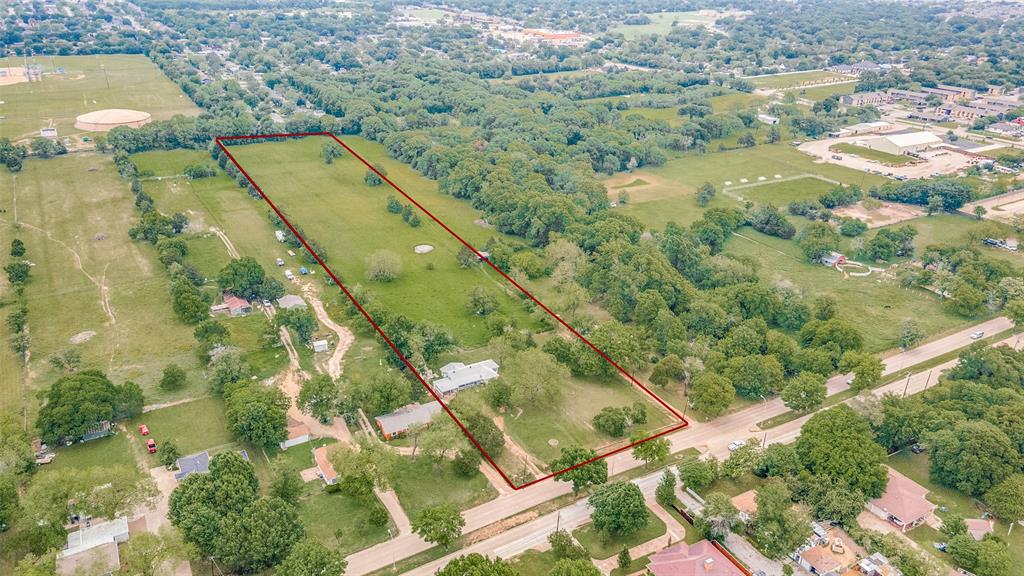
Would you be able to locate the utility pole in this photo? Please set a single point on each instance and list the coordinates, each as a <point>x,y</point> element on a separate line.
<point>907,384</point>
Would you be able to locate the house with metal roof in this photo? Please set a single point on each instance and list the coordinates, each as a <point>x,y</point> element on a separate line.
<point>458,376</point>
<point>400,421</point>
<point>193,464</point>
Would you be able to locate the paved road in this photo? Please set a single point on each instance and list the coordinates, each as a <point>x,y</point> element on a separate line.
<point>709,437</point>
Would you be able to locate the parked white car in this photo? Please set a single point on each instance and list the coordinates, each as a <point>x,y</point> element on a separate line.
<point>736,445</point>
<point>978,335</point>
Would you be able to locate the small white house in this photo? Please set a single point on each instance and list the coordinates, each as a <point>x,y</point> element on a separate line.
<point>320,346</point>
<point>298,433</point>
<point>279,234</point>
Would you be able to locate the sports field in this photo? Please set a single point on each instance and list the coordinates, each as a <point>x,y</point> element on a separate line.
<point>350,219</point>
<point>668,191</point>
<point>134,83</point>
<point>796,79</point>
<point>89,277</point>
<point>663,22</point>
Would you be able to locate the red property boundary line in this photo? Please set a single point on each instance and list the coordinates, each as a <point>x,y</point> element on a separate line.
<point>683,422</point>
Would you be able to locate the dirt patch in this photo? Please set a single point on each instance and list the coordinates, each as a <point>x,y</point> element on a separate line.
<point>1003,207</point>
<point>13,75</point>
<point>423,249</point>
<point>643,188</point>
<point>82,337</point>
<point>888,213</point>
<point>501,526</point>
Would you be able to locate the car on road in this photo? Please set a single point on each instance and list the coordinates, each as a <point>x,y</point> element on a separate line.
<point>736,445</point>
<point>837,157</point>
<point>143,429</point>
<point>978,335</point>
<point>151,446</point>
<point>849,381</point>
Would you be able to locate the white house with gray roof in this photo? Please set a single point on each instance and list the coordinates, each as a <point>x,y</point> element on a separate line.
<point>401,420</point>
<point>457,376</point>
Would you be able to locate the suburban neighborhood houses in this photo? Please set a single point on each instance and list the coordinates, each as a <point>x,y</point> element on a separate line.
<point>437,288</point>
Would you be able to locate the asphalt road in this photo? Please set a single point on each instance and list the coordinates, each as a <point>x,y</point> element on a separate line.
<point>710,437</point>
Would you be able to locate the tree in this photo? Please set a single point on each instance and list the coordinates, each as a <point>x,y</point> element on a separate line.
<point>371,178</point>
<point>979,212</point>
<point>481,301</point>
<point>257,414</point>
<point>866,367</point>
<point>651,451</point>
<point>148,554</point>
<point>309,557</point>
<point>719,516</point>
<point>697,474</point>
<point>364,469</point>
<point>953,525</point>
<point>839,444</point>
<point>227,368</point>
<point>591,474</point>
<point>17,248</point>
<point>756,375</point>
<point>302,320</point>
<point>665,493</point>
<point>669,369</point>
<point>261,536</point>
<point>9,498</point>
<point>567,567</point>
<point>477,565</point>
<point>17,272</point>
<point>972,457</point>
<point>77,402</point>
<point>319,397</point>
<point>711,394</point>
<point>611,420</point>
<point>805,392</point>
<point>817,240</point>
<point>1007,499</point>
<point>168,453</point>
<point>705,193</point>
<point>935,204</point>
<point>910,334</point>
<point>776,529</point>
<point>534,377</point>
<point>246,278</point>
<point>624,559</point>
<point>563,546</point>
<point>286,483</point>
<point>440,524</point>
<point>441,439</point>
<point>619,509</point>
<point>779,460</point>
<point>329,151</point>
<point>174,378</point>
<point>384,266</point>
<point>16,454</point>
<point>380,392</point>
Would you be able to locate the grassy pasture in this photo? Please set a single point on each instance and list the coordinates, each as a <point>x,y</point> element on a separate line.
<point>416,481</point>
<point>735,101</point>
<point>74,214</point>
<point>662,23</point>
<point>782,193</point>
<point>134,82</point>
<point>669,194</point>
<point>822,92</point>
<point>339,521</point>
<point>350,219</point>
<point>796,79</point>
<point>193,426</point>
<point>868,153</point>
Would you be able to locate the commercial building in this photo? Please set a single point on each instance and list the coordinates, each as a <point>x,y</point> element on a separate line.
<point>898,144</point>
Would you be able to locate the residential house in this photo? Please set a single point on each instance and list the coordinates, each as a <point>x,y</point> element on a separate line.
<point>903,504</point>
<point>766,119</point>
<point>324,468</point>
<point>298,433</point>
<point>193,464</point>
<point>930,117</point>
<point>746,504</point>
<point>878,565</point>
<point>698,559</point>
<point>93,549</point>
<point>833,259</point>
<point>979,527</point>
<point>289,301</point>
<point>1006,129</point>
<point>911,96</point>
<point>232,305</point>
<point>400,421</point>
<point>458,376</point>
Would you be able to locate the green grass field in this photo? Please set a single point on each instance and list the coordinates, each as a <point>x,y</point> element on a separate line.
<point>782,193</point>
<point>334,206</point>
<point>193,426</point>
<point>916,467</point>
<point>88,276</point>
<point>669,194</point>
<point>868,153</point>
<point>876,308</point>
<point>134,82</point>
<point>416,481</point>
<point>103,453</point>
<point>822,92</point>
<point>735,101</point>
<point>601,545</point>
<point>534,563</point>
<point>662,23</point>
<point>795,79</point>
<point>667,114</point>
<point>340,521</point>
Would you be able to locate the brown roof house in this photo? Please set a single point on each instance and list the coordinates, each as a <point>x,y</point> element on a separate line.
<point>298,433</point>
<point>324,467</point>
<point>903,504</point>
<point>746,504</point>
<point>698,559</point>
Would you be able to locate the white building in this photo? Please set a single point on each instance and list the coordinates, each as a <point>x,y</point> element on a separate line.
<point>766,119</point>
<point>904,143</point>
<point>458,376</point>
<point>93,549</point>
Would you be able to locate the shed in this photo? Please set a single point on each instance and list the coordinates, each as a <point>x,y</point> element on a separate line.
<point>320,346</point>
<point>279,234</point>
<point>289,301</point>
<point>324,467</point>
<point>298,433</point>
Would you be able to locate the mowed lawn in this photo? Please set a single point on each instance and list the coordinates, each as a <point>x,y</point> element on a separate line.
<point>916,467</point>
<point>782,193</point>
<point>602,545</point>
<point>135,83</point>
<point>876,308</point>
<point>350,219</point>
<point>663,22</point>
<point>869,154</point>
<point>668,194</point>
<point>416,481</point>
<point>88,276</point>
<point>192,427</point>
<point>340,521</point>
<point>796,79</point>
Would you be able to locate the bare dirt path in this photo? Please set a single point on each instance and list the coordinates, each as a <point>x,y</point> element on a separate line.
<point>517,449</point>
<point>227,242</point>
<point>335,363</point>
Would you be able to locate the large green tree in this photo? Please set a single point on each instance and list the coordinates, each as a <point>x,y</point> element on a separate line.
<point>777,529</point>
<point>581,477</point>
<point>711,393</point>
<point>619,509</point>
<point>309,557</point>
<point>260,537</point>
<point>440,524</point>
<point>972,457</point>
<point>838,443</point>
<point>246,278</point>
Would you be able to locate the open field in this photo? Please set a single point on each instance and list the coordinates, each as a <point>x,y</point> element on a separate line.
<point>735,101</point>
<point>102,453</point>
<point>782,193</point>
<point>416,481</point>
<point>350,219</point>
<point>822,92</point>
<point>916,467</point>
<point>668,194</point>
<point>193,426</point>
<point>868,153</point>
<point>534,563</point>
<point>88,276</point>
<point>663,22</point>
<point>669,115</point>
<point>134,83</point>
<point>876,307</point>
<point>340,521</point>
<point>797,79</point>
<point>885,214</point>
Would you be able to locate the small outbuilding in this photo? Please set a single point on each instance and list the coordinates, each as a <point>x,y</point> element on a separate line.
<point>279,234</point>
<point>320,346</point>
<point>324,468</point>
<point>298,433</point>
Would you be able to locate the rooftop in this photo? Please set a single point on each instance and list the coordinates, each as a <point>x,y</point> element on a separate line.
<point>914,139</point>
<point>700,558</point>
<point>95,535</point>
<point>323,462</point>
<point>904,499</point>
<point>192,464</point>
<point>400,420</point>
<point>289,301</point>
<point>458,375</point>
<point>102,559</point>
